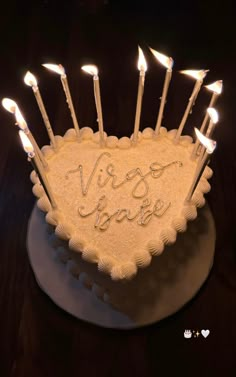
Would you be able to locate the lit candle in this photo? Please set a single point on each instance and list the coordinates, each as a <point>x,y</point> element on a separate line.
<point>168,63</point>
<point>20,121</point>
<point>29,149</point>
<point>13,108</point>
<point>214,118</point>
<point>9,105</point>
<point>216,89</point>
<point>142,67</point>
<point>92,70</point>
<point>210,146</point>
<point>30,80</point>
<point>198,76</point>
<point>61,71</point>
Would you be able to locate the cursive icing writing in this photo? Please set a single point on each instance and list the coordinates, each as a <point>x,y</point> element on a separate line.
<point>141,187</point>
<point>85,187</point>
<point>143,215</point>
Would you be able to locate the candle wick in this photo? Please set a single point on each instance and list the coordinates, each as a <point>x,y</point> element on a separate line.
<point>31,155</point>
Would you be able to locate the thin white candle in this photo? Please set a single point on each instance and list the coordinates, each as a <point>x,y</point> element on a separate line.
<point>214,118</point>
<point>30,80</point>
<point>216,89</point>
<point>13,108</point>
<point>198,76</point>
<point>20,121</point>
<point>29,149</point>
<point>61,71</point>
<point>92,70</point>
<point>168,63</point>
<point>142,66</point>
<point>210,146</point>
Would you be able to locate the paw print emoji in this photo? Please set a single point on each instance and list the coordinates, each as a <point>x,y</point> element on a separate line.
<point>187,334</point>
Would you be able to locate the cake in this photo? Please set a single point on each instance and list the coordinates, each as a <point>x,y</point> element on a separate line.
<point>118,207</point>
<point>114,206</point>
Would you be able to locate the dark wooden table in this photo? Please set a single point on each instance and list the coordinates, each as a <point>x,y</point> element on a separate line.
<point>36,337</point>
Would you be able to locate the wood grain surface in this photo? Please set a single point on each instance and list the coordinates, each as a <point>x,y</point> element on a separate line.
<point>36,337</point>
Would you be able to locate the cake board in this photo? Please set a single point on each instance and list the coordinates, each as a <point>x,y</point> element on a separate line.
<point>68,293</point>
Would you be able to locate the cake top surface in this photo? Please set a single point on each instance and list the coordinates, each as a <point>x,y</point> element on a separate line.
<point>120,204</point>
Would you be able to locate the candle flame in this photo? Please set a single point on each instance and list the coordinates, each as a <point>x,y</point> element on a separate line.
<point>58,68</point>
<point>209,144</point>
<point>196,74</point>
<point>91,69</point>
<point>9,105</point>
<point>30,79</point>
<point>142,65</point>
<point>20,120</point>
<point>213,114</point>
<point>216,86</point>
<point>163,59</point>
<point>28,147</point>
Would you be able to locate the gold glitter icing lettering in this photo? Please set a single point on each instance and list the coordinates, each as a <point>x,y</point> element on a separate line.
<point>143,215</point>
<point>141,187</point>
<point>79,169</point>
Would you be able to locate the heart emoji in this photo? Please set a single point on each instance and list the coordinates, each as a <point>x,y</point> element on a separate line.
<point>205,333</point>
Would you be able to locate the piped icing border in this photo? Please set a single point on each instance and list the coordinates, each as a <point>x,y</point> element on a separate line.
<point>61,254</point>
<point>154,247</point>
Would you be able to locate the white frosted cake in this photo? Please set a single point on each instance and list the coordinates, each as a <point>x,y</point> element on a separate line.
<point>114,206</point>
<point>118,206</point>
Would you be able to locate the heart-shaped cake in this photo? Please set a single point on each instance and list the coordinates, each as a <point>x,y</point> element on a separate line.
<point>119,205</point>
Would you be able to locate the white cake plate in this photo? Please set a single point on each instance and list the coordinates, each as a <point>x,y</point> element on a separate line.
<point>69,294</point>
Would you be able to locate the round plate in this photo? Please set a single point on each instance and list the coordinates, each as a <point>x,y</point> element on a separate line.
<point>69,294</point>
